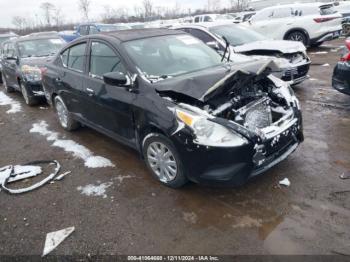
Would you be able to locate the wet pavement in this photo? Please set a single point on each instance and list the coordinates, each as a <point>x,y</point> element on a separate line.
<point>137,215</point>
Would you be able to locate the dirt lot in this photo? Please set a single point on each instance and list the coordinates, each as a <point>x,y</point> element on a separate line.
<point>136,215</point>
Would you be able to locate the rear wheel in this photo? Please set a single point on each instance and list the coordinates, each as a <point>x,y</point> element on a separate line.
<point>163,161</point>
<point>298,36</point>
<point>7,88</point>
<point>64,117</point>
<point>30,101</point>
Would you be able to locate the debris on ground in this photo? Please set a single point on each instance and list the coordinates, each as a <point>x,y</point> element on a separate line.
<point>345,175</point>
<point>9,174</point>
<point>53,239</point>
<point>325,65</point>
<point>60,177</point>
<point>285,182</point>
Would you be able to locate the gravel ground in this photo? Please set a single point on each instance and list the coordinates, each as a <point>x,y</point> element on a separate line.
<point>136,215</point>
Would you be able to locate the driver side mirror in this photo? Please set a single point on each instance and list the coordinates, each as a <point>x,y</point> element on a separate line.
<point>214,45</point>
<point>116,79</point>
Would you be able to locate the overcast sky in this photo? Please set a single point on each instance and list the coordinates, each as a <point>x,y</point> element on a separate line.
<point>10,8</point>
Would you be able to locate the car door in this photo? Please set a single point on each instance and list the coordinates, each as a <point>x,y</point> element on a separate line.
<point>109,107</point>
<point>69,80</point>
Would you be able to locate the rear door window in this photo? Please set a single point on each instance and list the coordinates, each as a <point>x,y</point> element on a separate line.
<point>103,59</point>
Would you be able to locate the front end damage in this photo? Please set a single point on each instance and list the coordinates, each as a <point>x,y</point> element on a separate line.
<point>240,127</point>
<point>294,67</point>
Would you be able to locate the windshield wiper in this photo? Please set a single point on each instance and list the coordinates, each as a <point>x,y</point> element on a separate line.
<point>227,50</point>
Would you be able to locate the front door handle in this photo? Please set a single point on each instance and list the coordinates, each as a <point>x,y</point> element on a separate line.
<point>90,92</point>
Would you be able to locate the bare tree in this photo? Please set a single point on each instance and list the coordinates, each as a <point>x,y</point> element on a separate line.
<point>58,17</point>
<point>19,22</point>
<point>47,9</point>
<point>239,5</point>
<point>85,5</point>
<point>147,8</point>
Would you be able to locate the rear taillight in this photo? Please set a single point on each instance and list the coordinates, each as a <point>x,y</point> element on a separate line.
<point>346,57</point>
<point>324,19</point>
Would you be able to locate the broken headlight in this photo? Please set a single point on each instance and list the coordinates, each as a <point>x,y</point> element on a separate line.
<point>207,132</point>
<point>31,73</point>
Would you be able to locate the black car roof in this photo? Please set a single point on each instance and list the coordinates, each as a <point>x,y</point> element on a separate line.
<point>135,34</point>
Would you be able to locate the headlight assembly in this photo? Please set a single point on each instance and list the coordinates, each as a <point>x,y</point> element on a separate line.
<point>31,73</point>
<point>207,132</point>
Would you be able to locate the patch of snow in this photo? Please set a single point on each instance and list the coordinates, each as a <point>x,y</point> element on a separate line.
<point>78,151</point>
<point>285,182</point>
<point>325,65</point>
<point>97,162</point>
<point>53,239</point>
<point>319,53</point>
<point>313,79</point>
<point>8,101</point>
<point>121,178</point>
<point>95,190</point>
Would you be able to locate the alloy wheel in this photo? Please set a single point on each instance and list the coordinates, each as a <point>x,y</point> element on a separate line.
<point>297,36</point>
<point>162,161</point>
<point>62,113</point>
<point>25,94</point>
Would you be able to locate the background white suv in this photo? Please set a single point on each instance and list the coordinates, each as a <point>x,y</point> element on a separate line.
<point>311,23</point>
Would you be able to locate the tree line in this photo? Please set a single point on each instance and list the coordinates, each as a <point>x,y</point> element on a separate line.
<point>52,18</point>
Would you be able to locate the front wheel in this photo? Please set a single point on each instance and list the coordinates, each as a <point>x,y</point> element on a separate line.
<point>30,101</point>
<point>163,161</point>
<point>64,117</point>
<point>298,36</point>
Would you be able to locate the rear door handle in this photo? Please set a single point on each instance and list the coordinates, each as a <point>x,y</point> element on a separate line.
<point>90,91</point>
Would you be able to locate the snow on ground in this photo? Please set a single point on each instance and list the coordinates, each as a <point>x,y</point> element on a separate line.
<point>326,65</point>
<point>78,151</point>
<point>319,53</point>
<point>95,190</point>
<point>8,101</point>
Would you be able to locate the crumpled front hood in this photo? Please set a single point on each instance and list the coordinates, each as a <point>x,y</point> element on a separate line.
<point>36,61</point>
<point>204,84</point>
<point>286,47</point>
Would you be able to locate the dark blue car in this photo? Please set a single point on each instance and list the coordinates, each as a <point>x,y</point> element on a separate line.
<point>90,29</point>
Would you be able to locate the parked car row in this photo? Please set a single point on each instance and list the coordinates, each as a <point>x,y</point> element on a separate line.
<point>167,95</point>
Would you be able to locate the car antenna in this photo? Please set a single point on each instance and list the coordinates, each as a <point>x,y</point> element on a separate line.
<point>227,49</point>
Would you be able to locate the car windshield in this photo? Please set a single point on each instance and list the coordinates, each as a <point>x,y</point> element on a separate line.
<point>40,47</point>
<point>237,35</point>
<point>108,28</point>
<point>170,56</point>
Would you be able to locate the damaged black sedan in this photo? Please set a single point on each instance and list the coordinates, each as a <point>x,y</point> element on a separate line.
<point>170,97</point>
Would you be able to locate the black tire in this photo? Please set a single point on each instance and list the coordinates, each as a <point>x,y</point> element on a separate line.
<point>7,88</point>
<point>316,44</point>
<point>66,120</point>
<point>298,36</point>
<point>29,100</point>
<point>180,178</point>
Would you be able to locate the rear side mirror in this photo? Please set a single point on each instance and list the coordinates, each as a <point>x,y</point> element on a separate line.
<point>116,79</point>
